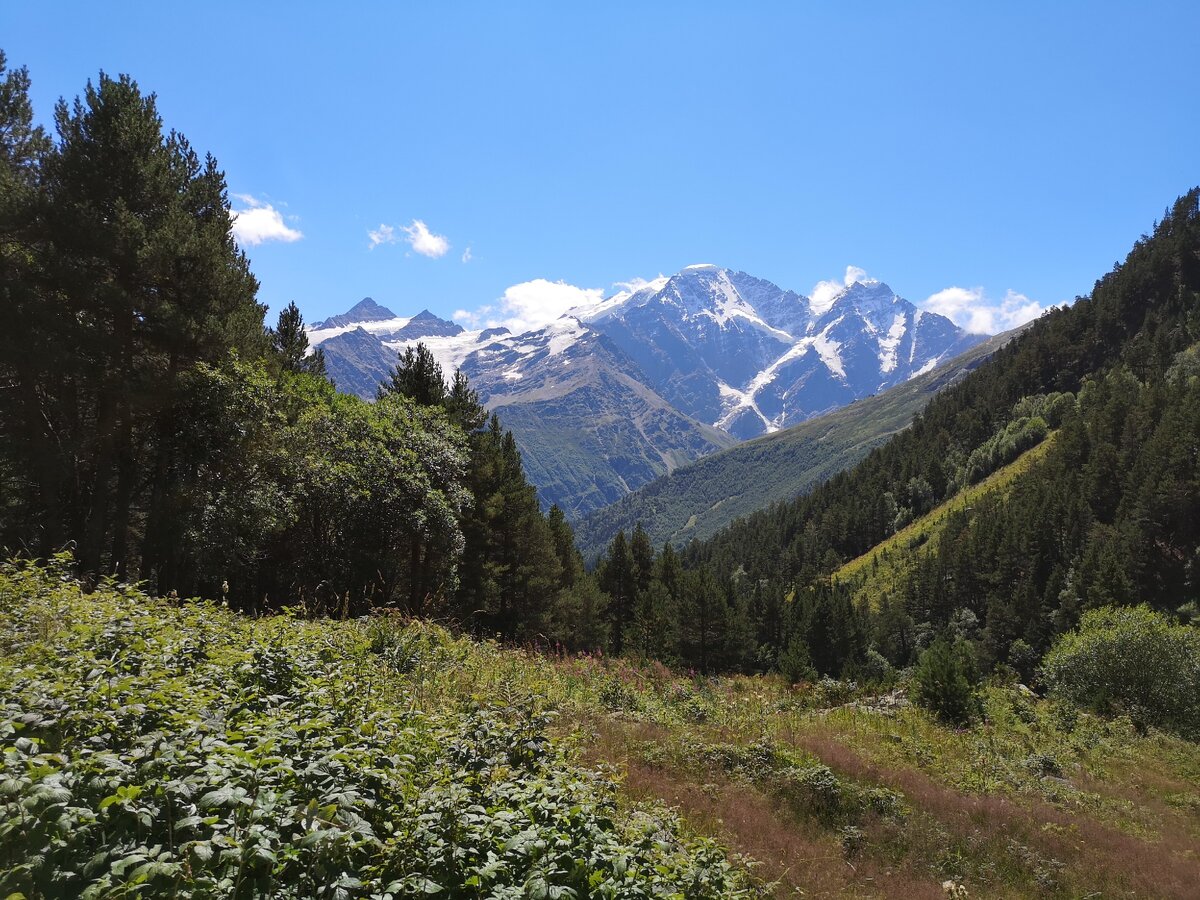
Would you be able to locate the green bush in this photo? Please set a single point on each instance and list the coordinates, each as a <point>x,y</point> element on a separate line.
<point>945,681</point>
<point>1133,661</point>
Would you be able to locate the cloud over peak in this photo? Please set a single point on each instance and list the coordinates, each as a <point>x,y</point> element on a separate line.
<point>529,305</point>
<point>823,294</point>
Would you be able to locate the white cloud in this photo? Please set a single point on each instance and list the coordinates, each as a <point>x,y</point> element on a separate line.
<point>466,256</point>
<point>418,236</point>
<point>384,234</point>
<point>822,295</point>
<point>529,305</point>
<point>425,241</point>
<point>633,285</point>
<point>972,309</point>
<point>260,222</point>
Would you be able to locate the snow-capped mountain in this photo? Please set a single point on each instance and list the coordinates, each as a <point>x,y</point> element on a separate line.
<point>616,393</point>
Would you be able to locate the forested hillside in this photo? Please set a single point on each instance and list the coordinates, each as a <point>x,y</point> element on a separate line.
<point>966,667</point>
<point>1105,516</point>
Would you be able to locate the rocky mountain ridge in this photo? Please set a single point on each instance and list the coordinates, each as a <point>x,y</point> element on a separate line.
<point>612,395</point>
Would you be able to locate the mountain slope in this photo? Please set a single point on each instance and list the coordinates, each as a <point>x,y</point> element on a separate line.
<point>887,565</point>
<point>588,429</point>
<point>701,498</point>
<point>357,362</point>
<point>1108,516</point>
<point>750,358</point>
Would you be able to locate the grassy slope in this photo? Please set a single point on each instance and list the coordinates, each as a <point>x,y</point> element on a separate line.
<point>828,793</point>
<point>698,500</point>
<point>878,570</point>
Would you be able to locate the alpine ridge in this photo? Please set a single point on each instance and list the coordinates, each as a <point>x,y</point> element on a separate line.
<point>612,395</point>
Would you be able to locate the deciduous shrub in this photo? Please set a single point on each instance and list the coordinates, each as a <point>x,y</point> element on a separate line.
<point>1130,660</point>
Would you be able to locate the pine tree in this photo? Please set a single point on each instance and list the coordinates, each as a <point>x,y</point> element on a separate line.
<point>145,282</point>
<point>463,405</point>
<point>30,490</point>
<point>418,376</point>
<point>289,340</point>
<point>564,546</point>
<point>641,553</point>
<point>616,578</point>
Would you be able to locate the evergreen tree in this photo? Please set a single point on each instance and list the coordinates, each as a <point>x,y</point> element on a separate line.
<point>617,579</point>
<point>564,546</point>
<point>418,376</point>
<point>463,405</point>
<point>30,489</point>
<point>945,681</point>
<point>641,557</point>
<point>140,281</point>
<point>289,340</point>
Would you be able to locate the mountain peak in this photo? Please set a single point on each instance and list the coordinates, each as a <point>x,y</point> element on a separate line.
<point>365,310</point>
<point>869,292</point>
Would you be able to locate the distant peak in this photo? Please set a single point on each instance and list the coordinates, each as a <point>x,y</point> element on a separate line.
<point>365,310</point>
<point>870,286</point>
<point>368,306</point>
<point>699,267</point>
<point>426,316</point>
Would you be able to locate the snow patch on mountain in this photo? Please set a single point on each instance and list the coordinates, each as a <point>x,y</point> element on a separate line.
<point>890,344</point>
<point>720,346</point>
<point>379,328</point>
<point>830,353</point>
<point>736,402</point>
<point>564,334</point>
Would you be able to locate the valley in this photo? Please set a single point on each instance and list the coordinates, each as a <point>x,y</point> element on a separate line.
<point>698,588</point>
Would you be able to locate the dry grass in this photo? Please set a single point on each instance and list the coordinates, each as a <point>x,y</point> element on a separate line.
<point>802,859</point>
<point>1101,858</point>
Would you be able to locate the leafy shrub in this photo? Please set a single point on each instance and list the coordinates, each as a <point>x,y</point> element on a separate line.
<point>945,681</point>
<point>157,750</point>
<point>1130,660</point>
<point>1004,447</point>
<point>875,669</point>
<point>795,662</point>
<point>830,692</point>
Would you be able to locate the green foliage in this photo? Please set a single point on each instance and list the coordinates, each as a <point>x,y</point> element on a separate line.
<point>417,376</point>
<point>945,681</point>
<point>1017,436</point>
<point>289,340</point>
<point>152,422</point>
<point>184,751</point>
<point>1132,661</point>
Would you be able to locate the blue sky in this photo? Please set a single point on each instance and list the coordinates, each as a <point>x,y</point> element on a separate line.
<point>1004,150</point>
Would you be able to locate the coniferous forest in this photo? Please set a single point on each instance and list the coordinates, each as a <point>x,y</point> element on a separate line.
<point>1001,599</point>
